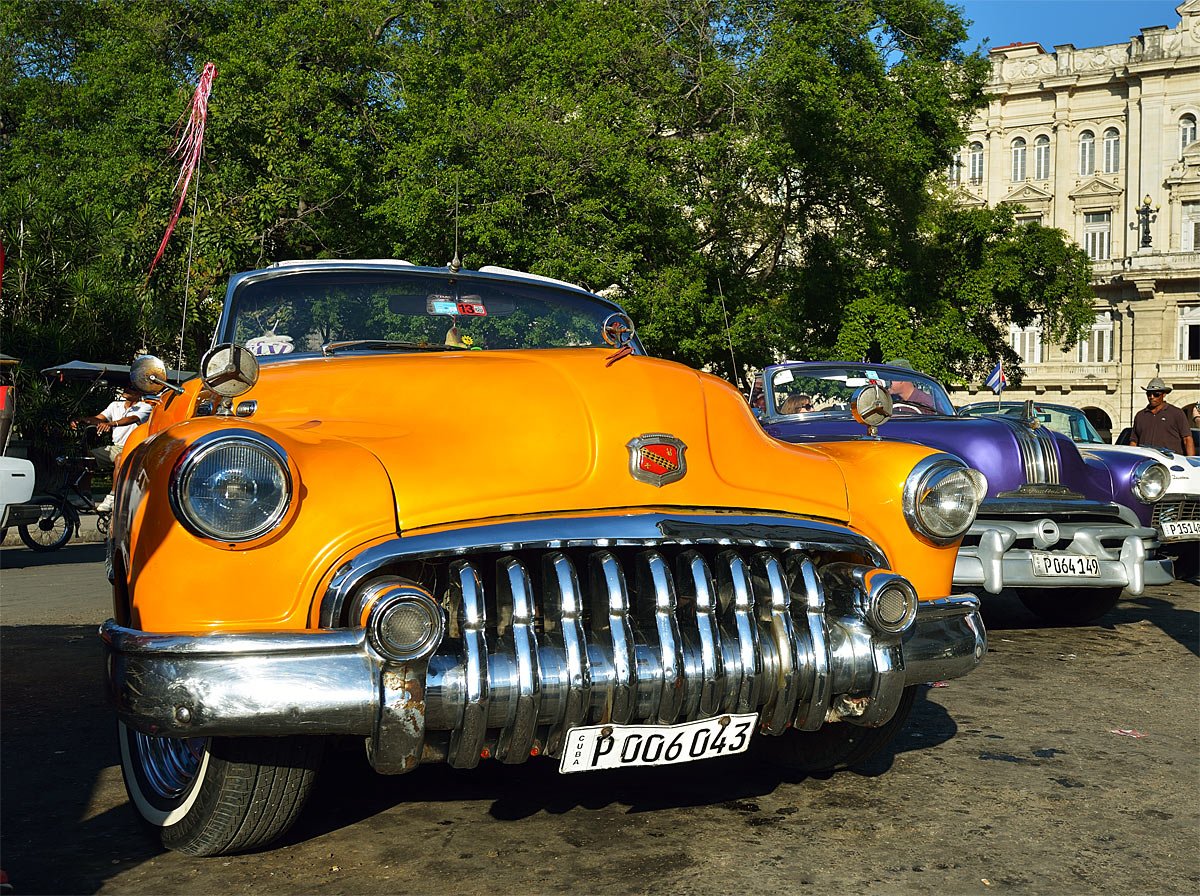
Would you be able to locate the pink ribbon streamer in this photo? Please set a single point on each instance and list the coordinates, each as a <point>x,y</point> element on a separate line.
<point>191,143</point>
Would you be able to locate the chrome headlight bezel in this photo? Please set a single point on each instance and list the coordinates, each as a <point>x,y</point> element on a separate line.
<point>940,471</point>
<point>1141,484</point>
<point>183,501</point>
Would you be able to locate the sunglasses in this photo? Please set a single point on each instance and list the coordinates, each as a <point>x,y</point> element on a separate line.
<point>1156,394</point>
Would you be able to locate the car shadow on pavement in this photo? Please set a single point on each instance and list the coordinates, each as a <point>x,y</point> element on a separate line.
<point>349,791</point>
<point>1004,612</point>
<point>78,552</point>
<point>59,760</point>
<point>1182,625</point>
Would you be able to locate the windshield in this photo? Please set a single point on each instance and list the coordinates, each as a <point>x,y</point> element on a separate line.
<point>1069,421</point>
<point>827,389</point>
<point>397,310</point>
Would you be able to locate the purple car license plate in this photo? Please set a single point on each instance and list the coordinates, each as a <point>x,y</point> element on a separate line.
<point>1065,565</point>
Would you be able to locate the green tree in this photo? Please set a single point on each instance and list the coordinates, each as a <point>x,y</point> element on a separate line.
<point>749,177</point>
<point>975,271</point>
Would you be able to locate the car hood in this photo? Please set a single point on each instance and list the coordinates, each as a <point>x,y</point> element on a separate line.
<point>479,435</point>
<point>997,447</point>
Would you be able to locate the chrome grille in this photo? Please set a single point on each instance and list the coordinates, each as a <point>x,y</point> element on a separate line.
<point>547,641</point>
<point>1176,509</point>
<point>1039,452</point>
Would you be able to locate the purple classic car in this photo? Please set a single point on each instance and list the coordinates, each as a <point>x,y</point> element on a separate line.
<point>1067,532</point>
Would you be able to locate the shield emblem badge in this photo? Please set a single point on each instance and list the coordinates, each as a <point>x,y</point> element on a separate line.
<point>657,458</point>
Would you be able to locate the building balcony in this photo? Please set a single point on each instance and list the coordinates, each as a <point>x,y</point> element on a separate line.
<point>1067,376</point>
<point>1180,374</point>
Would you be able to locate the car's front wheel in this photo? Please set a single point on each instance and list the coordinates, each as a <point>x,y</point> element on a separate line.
<point>220,795</point>
<point>1069,606</point>
<point>835,745</point>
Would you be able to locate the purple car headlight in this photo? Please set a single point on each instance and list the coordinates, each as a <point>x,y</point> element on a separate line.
<point>1150,481</point>
<point>941,497</point>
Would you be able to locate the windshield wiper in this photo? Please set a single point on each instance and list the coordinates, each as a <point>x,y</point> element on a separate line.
<point>330,347</point>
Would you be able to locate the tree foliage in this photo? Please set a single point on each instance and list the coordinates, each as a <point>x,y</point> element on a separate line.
<point>749,177</point>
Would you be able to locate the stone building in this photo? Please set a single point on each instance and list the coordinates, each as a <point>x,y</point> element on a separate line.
<point>1102,143</point>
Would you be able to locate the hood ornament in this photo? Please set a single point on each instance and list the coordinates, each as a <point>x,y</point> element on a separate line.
<point>617,331</point>
<point>657,459</point>
<point>1028,417</point>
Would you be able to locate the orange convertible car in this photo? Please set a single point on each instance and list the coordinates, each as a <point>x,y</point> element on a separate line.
<point>461,516</point>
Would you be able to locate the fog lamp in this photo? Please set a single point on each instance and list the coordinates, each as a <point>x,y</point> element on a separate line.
<point>891,603</point>
<point>403,621</point>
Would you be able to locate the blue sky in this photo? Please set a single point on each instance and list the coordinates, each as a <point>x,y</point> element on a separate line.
<point>1084,23</point>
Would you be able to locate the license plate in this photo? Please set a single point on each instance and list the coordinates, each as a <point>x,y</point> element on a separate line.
<point>627,746</point>
<point>1068,565</point>
<point>1180,530</point>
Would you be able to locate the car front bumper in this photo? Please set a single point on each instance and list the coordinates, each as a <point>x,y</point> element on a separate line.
<point>332,682</point>
<point>998,554</point>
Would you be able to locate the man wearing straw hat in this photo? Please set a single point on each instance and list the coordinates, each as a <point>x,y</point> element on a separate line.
<point>1160,424</point>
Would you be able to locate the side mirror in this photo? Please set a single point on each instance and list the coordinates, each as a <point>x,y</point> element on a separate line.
<point>149,376</point>
<point>229,369</point>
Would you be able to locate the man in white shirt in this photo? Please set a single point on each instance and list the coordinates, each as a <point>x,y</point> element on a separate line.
<point>122,417</point>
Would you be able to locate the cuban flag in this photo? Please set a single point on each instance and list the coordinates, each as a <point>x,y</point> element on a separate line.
<point>996,380</point>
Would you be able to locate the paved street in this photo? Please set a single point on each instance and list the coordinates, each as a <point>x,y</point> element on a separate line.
<point>1068,763</point>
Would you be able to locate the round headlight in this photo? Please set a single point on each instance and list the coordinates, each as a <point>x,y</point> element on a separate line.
<point>1150,481</point>
<point>941,497</point>
<point>232,487</point>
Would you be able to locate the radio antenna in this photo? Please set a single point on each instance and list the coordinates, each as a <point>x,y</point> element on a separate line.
<point>456,262</point>
<point>728,334</point>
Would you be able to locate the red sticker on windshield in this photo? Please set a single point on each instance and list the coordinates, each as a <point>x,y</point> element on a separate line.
<point>472,309</point>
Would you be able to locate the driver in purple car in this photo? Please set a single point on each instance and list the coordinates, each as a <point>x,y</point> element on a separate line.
<point>907,398</point>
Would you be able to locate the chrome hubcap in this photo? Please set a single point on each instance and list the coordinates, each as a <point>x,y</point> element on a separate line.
<point>170,764</point>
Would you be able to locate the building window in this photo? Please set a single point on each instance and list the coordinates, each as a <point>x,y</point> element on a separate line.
<point>1029,219</point>
<point>1027,342</point>
<point>1041,158</point>
<point>1112,151</point>
<point>976,163</point>
<point>1189,332</point>
<point>1087,153</point>
<point>1097,347</point>
<point>1018,160</point>
<point>1190,238</point>
<point>1187,132</point>
<point>954,170</point>
<point>1097,235</point>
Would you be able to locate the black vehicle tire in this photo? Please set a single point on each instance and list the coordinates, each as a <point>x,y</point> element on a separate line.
<point>1069,606</point>
<point>835,745</point>
<point>220,795</point>
<point>54,529</point>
